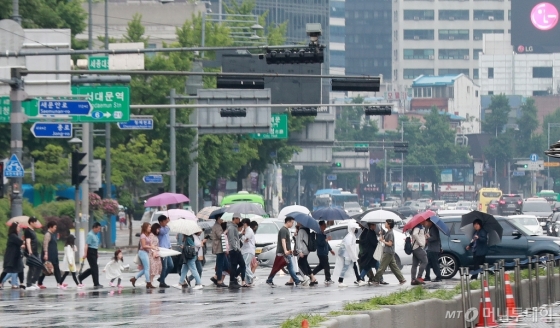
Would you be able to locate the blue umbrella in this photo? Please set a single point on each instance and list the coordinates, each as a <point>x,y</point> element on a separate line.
<point>306,220</point>
<point>217,212</point>
<point>440,224</point>
<point>330,214</point>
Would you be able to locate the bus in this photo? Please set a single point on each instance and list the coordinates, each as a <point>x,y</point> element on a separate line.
<point>549,195</point>
<point>332,198</point>
<point>485,196</point>
<point>243,197</point>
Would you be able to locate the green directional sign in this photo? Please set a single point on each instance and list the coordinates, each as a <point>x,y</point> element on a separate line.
<point>361,145</point>
<point>278,128</point>
<point>5,109</point>
<point>98,63</point>
<point>110,104</point>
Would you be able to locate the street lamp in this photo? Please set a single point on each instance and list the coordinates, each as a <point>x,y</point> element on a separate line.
<point>421,128</point>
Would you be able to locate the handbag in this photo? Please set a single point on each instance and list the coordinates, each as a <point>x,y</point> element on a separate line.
<point>378,251</point>
<point>136,260</point>
<point>48,268</point>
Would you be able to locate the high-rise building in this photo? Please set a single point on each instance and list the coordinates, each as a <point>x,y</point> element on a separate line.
<point>337,37</point>
<point>368,37</point>
<point>443,37</point>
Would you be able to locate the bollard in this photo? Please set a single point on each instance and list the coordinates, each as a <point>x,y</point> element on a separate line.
<point>497,292</point>
<point>530,272</point>
<point>503,284</point>
<point>552,283</point>
<point>537,283</point>
<point>469,304</point>
<point>483,278</point>
<point>463,295</point>
<point>517,279</point>
<point>486,275</point>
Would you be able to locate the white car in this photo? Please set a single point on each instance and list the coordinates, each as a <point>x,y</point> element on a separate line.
<point>530,222</point>
<point>446,213</point>
<point>267,234</point>
<point>450,206</point>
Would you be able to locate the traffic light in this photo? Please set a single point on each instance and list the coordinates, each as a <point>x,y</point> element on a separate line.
<point>233,112</point>
<point>304,111</point>
<point>337,164</point>
<point>378,110</point>
<point>309,55</point>
<point>371,84</point>
<point>239,82</point>
<point>77,168</point>
<point>1,179</point>
<point>401,147</point>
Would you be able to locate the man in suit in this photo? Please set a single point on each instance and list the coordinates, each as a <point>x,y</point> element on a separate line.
<point>479,246</point>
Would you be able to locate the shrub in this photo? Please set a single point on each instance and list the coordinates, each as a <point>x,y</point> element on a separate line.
<point>64,223</point>
<point>65,207</point>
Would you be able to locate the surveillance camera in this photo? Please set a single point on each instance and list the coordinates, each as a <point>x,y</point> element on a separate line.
<point>313,29</point>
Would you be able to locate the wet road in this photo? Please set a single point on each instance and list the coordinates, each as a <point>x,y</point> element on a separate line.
<point>260,306</point>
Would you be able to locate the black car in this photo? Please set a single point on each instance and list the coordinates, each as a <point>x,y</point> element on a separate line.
<point>552,227</point>
<point>517,243</point>
<point>510,204</point>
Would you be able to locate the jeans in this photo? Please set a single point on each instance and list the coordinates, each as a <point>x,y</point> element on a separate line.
<point>345,267</point>
<point>388,260</point>
<point>247,258</point>
<point>419,257</point>
<point>166,267</point>
<point>281,261</point>
<point>365,271</point>
<point>33,275</point>
<point>13,276</point>
<point>93,268</point>
<point>304,265</point>
<point>220,259</point>
<point>433,263</point>
<point>323,265</point>
<point>190,265</point>
<point>145,260</point>
<point>198,269</point>
<point>237,265</point>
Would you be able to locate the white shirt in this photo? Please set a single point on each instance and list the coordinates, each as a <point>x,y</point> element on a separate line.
<point>249,242</point>
<point>198,245</point>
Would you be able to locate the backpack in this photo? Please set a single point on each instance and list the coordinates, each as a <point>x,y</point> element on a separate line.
<point>408,245</point>
<point>311,242</point>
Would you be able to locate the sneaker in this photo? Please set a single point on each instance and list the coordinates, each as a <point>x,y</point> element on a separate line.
<point>31,288</point>
<point>214,280</point>
<point>197,287</point>
<point>80,286</point>
<point>329,282</point>
<point>111,284</point>
<point>305,281</point>
<point>271,284</point>
<point>356,283</point>
<point>164,285</point>
<point>289,284</point>
<point>402,282</point>
<point>383,283</point>
<point>342,285</point>
<point>42,287</point>
<point>65,285</point>
<point>414,283</point>
<point>98,286</point>
<point>178,286</point>
<point>420,281</point>
<point>61,287</point>
<point>222,285</point>
<point>362,283</point>
<point>313,283</point>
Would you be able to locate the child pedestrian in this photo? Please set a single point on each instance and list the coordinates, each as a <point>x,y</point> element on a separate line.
<point>69,262</point>
<point>113,269</point>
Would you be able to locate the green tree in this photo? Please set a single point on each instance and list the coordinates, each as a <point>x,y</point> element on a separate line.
<point>527,141</point>
<point>135,30</point>
<point>51,169</point>
<point>498,117</point>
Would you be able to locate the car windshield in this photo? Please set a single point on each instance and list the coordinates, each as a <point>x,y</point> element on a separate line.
<point>511,198</point>
<point>536,207</point>
<point>267,228</point>
<point>522,228</point>
<point>526,221</point>
<point>438,202</point>
<point>491,194</point>
<point>351,205</point>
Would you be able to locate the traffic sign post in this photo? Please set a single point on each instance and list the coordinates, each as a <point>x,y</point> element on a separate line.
<point>52,130</point>
<point>534,157</point>
<point>13,168</point>
<point>331,177</point>
<point>278,128</point>
<point>110,104</point>
<point>5,109</point>
<point>155,178</point>
<point>98,63</point>
<point>138,123</point>
<point>518,173</point>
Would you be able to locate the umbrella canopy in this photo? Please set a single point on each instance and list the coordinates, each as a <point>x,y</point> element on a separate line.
<point>379,216</point>
<point>440,225</point>
<point>330,214</point>
<point>489,223</point>
<point>290,209</point>
<point>33,260</point>
<point>417,219</point>
<point>166,198</point>
<point>22,221</point>
<point>306,220</point>
<point>219,211</point>
<point>186,227</point>
<point>176,214</point>
<point>246,208</point>
<point>165,252</point>
<point>205,224</point>
<point>204,213</point>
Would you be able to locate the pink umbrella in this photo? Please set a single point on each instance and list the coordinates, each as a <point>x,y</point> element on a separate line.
<point>417,219</point>
<point>166,198</point>
<point>176,214</point>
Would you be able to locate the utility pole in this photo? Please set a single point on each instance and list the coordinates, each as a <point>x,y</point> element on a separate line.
<point>173,151</point>
<point>385,173</point>
<point>17,118</point>
<point>108,187</point>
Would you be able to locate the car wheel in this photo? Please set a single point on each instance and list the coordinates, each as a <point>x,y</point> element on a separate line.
<point>448,266</point>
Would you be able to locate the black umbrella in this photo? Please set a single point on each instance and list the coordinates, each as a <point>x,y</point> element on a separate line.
<point>330,214</point>
<point>33,260</point>
<point>217,212</point>
<point>489,223</point>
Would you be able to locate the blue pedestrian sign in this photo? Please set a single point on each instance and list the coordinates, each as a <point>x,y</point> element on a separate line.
<point>331,177</point>
<point>534,157</point>
<point>156,178</point>
<point>136,123</point>
<point>64,107</point>
<point>13,168</point>
<point>52,130</point>
<point>518,173</point>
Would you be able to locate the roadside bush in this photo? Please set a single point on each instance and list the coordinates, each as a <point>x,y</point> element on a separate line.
<point>64,224</point>
<point>61,208</point>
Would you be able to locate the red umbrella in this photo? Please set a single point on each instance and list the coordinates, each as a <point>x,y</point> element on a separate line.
<point>417,219</point>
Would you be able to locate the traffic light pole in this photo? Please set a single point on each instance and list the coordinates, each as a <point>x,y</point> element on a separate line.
<point>84,188</point>
<point>17,118</point>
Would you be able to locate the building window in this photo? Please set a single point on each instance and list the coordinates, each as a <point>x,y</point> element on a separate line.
<point>337,58</point>
<point>453,34</point>
<point>422,92</point>
<point>453,15</point>
<point>476,92</point>
<point>509,15</point>
<point>396,35</point>
<point>490,93</point>
<point>418,34</point>
<point>418,53</point>
<point>488,15</point>
<point>412,73</point>
<point>419,15</point>
<point>475,74</point>
<point>477,34</point>
<point>337,9</point>
<point>542,72</point>
<point>540,93</point>
<point>396,16</point>
<point>476,53</point>
<point>453,54</point>
<point>490,72</point>
<point>453,71</point>
<point>338,33</point>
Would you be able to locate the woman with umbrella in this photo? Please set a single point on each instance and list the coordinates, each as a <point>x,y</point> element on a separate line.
<point>479,246</point>
<point>13,263</point>
<point>368,243</point>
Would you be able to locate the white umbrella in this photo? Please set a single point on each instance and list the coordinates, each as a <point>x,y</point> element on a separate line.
<point>165,252</point>
<point>186,227</point>
<point>292,208</point>
<point>380,216</point>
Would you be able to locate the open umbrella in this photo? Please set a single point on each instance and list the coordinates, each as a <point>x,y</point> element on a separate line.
<point>489,223</point>
<point>165,252</point>
<point>186,227</point>
<point>219,211</point>
<point>246,208</point>
<point>379,216</point>
<point>306,220</point>
<point>436,220</point>
<point>176,214</point>
<point>22,221</point>
<point>204,213</point>
<point>166,198</point>
<point>290,209</point>
<point>417,219</point>
<point>229,216</point>
<point>330,214</point>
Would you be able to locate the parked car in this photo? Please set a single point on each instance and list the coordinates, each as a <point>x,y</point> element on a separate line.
<point>390,204</point>
<point>540,209</point>
<point>530,222</point>
<point>437,205</point>
<point>552,226</point>
<point>510,204</point>
<point>462,204</point>
<point>267,234</point>
<point>448,213</point>
<point>409,210</point>
<point>493,207</point>
<point>517,242</point>
<point>451,206</point>
<point>352,208</point>
<point>556,207</point>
